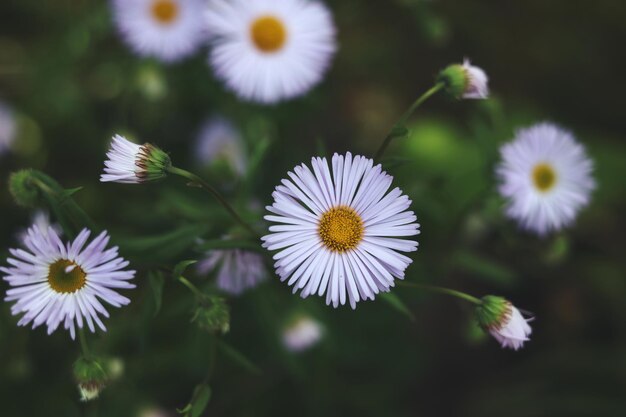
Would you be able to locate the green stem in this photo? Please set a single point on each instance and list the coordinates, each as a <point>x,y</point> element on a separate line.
<point>399,129</point>
<point>83,343</point>
<point>442,290</point>
<point>196,180</point>
<point>189,285</point>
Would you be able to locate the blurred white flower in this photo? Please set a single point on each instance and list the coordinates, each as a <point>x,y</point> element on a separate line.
<point>130,163</point>
<point>165,29</point>
<point>238,270</point>
<point>302,334</point>
<point>8,127</point>
<point>268,51</point>
<point>41,220</point>
<point>338,230</point>
<point>219,140</point>
<point>476,82</point>
<point>546,177</point>
<point>56,283</point>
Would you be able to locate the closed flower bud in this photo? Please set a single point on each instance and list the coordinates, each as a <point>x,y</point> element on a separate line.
<point>212,315</point>
<point>91,376</point>
<point>130,163</point>
<point>23,188</point>
<point>464,81</point>
<point>503,321</point>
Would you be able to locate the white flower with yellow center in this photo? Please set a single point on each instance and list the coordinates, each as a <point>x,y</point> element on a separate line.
<point>8,128</point>
<point>56,283</point>
<point>165,29</point>
<point>546,177</point>
<point>338,230</point>
<point>268,51</point>
<point>237,269</point>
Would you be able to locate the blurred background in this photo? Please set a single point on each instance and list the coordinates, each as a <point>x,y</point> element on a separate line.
<point>72,83</point>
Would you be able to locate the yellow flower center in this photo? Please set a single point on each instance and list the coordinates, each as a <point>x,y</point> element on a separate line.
<point>268,33</point>
<point>544,177</point>
<point>341,229</point>
<point>66,277</point>
<point>165,11</point>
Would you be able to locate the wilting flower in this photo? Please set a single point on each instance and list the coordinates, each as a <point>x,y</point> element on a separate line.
<point>302,333</point>
<point>464,81</point>
<point>338,230</point>
<point>8,127</point>
<point>56,283</point>
<point>165,29</point>
<point>546,177</point>
<point>267,51</point>
<point>503,321</point>
<point>130,163</point>
<point>238,270</point>
<point>219,140</point>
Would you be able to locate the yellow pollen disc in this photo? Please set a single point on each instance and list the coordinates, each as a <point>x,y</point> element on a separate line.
<point>268,33</point>
<point>341,229</point>
<point>544,177</point>
<point>165,11</point>
<point>66,277</point>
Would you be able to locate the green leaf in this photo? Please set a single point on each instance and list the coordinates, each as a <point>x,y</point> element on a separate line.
<point>157,281</point>
<point>201,397</point>
<point>394,301</point>
<point>180,267</point>
<point>238,358</point>
<point>164,247</point>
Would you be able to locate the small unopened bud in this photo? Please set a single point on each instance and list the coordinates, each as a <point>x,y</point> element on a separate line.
<point>212,315</point>
<point>302,333</point>
<point>91,377</point>
<point>23,188</point>
<point>130,163</point>
<point>503,321</point>
<point>464,81</point>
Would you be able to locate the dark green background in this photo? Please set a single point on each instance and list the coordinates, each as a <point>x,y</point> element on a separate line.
<point>73,84</point>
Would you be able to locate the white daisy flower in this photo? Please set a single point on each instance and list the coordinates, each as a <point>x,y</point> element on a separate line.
<point>503,321</point>
<point>302,334</point>
<point>165,29</point>
<point>476,82</point>
<point>546,177</point>
<point>130,163</point>
<point>338,230</point>
<point>53,283</point>
<point>238,270</point>
<point>219,140</point>
<point>8,127</point>
<point>267,51</point>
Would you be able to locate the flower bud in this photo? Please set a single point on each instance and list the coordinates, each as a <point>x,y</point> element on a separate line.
<point>23,188</point>
<point>91,376</point>
<point>464,81</point>
<point>503,321</point>
<point>212,315</point>
<point>302,333</point>
<point>130,163</point>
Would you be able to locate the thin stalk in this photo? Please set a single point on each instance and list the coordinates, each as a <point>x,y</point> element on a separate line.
<point>399,129</point>
<point>196,180</point>
<point>442,290</point>
<point>189,285</point>
<point>83,343</point>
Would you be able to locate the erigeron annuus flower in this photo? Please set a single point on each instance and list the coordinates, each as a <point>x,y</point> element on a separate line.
<point>464,81</point>
<point>130,163</point>
<point>302,333</point>
<point>56,283</point>
<point>338,230</point>
<point>503,321</point>
<point>8,127</point>
<point>268,51</point>
<point>237,269</point>
<point>545,176</point>
<point>165,29</point>
<point>219,140</point>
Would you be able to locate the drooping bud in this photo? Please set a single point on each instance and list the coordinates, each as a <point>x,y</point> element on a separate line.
<point>91,377</point>
<point>503,321</point>
<point>130,163</point>
<point>464,81</point>
<point>23,188</point>
<point>212,315</point>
